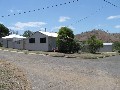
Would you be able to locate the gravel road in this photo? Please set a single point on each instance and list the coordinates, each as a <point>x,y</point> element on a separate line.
<point>58,73</point>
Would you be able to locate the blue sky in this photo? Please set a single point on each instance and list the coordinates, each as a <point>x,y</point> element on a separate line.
<point>99,15</point>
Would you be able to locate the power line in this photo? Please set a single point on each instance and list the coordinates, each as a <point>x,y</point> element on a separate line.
<point>94,12</point>
<point>61,4</point>
<point>111,3</point>
<point>84,18</point>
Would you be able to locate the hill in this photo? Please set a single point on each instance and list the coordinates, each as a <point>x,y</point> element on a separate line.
<point>100,34</point>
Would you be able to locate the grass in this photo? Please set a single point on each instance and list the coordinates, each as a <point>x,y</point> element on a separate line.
<point>91,56</point>
<point>56,54</point>
<point>88,56</point>
<point>12,78</point>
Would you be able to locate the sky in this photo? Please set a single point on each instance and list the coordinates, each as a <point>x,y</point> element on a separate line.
<point>79,15</point>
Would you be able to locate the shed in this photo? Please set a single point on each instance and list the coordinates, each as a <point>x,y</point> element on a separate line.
<point>8,41</point>
<point>107,47</point>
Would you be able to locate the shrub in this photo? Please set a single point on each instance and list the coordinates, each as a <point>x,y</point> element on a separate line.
<point>94,44</point>
<point>116,46</point>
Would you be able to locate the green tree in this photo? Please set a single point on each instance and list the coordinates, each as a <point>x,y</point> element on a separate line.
<point>94,44</point>
<point>76,46</point>
<point>27,33</point>
<point>65,40</point>
<point>116,46</point>
<point>4,31</point>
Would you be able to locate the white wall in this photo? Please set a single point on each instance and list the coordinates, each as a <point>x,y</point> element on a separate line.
<point>51,43</point>
<point>37,45</point>
<point>12,43</point>
<point>8,43</point>
<point>4,42</point>
<point>18,45</point>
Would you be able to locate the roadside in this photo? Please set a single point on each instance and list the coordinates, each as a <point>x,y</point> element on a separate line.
<point>12,78</point>
<point>82,55</point>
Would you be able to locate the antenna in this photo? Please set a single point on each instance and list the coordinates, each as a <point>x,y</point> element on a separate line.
<point>45,29</point>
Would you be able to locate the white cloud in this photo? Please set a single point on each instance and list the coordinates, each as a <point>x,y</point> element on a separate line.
<point>14,11</point>
<point>15,28</point>
<point>113,17</point>
<point>22,26</point>
<point>29,24</point>
<point>63,19</point>
<point>117,26</point>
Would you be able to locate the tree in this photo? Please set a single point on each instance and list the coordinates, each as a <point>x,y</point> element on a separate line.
<point>65,40</point>
<point>4,31</point>
<point>76,46</point>
<point>116,46</point>
<point>94,44</point>
<point>27,33</point>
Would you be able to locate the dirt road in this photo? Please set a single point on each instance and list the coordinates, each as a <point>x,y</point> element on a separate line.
<point>55,73</point>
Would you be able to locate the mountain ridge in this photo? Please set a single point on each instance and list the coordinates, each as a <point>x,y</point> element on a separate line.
<point>106,37</point>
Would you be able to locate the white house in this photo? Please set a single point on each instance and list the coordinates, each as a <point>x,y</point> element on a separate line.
<point>107,47</point>
<point>40,41</point>
<point>9,41</point>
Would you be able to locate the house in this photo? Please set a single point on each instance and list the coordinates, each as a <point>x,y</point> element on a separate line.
<point>9,41</point>
<point>40,41</point>
<point>107,47</point>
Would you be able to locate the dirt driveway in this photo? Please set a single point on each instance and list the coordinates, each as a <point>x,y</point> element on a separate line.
<point>55,73</point>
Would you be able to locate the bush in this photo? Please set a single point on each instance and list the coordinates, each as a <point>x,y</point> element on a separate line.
<point>116,46</point>
<point>94,44</point>
<point>76,46</point>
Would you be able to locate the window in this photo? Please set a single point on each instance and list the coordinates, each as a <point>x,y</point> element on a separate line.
<point>32,40</point>
<point>18,42</point>
<point>42,40</point>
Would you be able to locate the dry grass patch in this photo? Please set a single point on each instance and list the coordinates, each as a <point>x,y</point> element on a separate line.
<point>56,54</point>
